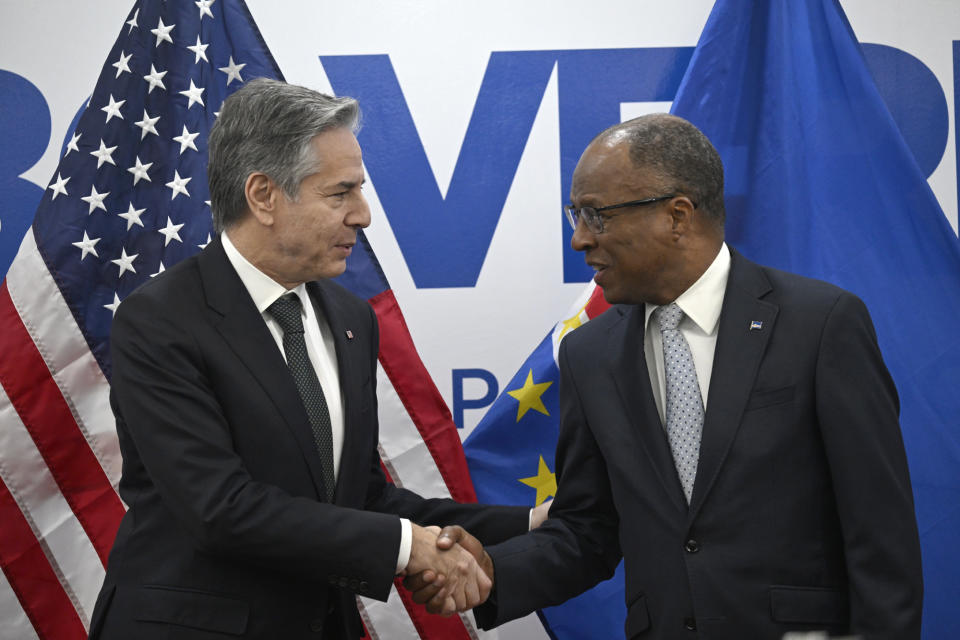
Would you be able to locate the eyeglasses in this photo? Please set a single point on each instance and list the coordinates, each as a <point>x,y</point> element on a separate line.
<point>594,220</point>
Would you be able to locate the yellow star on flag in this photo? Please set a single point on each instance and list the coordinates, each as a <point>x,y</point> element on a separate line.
<point>529,396</point>
<point>545,482</point>
<point>571,323</point>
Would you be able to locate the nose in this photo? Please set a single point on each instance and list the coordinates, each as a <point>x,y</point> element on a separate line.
<point>359,215</point>
<point>583,238</point>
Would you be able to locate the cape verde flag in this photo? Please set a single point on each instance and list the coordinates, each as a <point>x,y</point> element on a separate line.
<point>511,458</point>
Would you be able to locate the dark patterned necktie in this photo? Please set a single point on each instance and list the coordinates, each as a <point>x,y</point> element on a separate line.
<point>286,311</point>
<point>684,410</point>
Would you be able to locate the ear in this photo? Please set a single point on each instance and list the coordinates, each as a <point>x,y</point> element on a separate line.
<point>682,211</point>
<point>261,193</point>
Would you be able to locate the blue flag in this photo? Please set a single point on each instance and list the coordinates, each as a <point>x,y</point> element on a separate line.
<point>511,460</point>
<point>820,182</point>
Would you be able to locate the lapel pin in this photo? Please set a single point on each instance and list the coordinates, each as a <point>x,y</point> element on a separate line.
<point>349,334</point>
<point>756,325</point>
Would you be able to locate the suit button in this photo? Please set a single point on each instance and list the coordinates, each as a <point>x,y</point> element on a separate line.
<point>354,584</point>
<point>364,586</point>
<point>691,546</point>
<point>316,625</point>
<point>332,580</point>
<point>343,582</point>
<point>690,624</point>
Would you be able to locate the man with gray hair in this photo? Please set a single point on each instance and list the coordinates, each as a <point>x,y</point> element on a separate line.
<point>727,429</point>
<point>244,393</point>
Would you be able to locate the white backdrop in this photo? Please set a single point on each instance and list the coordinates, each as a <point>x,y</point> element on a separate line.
<point>439,52</point>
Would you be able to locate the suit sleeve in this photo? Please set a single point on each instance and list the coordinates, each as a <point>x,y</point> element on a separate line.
<point>578,546</point>
<point>858,411</point>
<point>171,422</point>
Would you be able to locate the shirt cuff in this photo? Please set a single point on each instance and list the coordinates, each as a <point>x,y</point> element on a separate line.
<point>530,520</point>
<point>406,545</point>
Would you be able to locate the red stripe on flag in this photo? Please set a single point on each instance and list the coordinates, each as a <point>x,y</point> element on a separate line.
<point>32,578</point>
<point>427,625</point>
<point>431,626</point>
<point>421,398</point>
<point>597,304</point>
<point>37,399</point>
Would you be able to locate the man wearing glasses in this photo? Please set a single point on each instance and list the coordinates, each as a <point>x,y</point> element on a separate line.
<point>728,429</point>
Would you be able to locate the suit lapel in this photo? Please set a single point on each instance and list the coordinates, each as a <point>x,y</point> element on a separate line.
<point>632,381</point>
<point>350,387</point>
<point>736,361</point>
<point>244,330</point>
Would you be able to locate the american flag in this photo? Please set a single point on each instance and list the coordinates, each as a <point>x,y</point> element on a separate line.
<point>129,199</point>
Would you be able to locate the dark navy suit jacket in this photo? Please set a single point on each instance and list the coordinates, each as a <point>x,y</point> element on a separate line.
<point>802,512</point>
<point>227,534</point>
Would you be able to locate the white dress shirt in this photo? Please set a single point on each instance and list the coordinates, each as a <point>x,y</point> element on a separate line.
<point>701,305</point>
<point>321,350</point>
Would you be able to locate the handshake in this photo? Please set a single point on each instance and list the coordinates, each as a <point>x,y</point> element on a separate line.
<point>449,570</point>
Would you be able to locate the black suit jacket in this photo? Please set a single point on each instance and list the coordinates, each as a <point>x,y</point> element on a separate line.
<point>802,512</point>
<point>227,534</point>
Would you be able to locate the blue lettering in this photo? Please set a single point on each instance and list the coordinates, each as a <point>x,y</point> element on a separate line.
<point>460,404</point>
<point>444,240</point>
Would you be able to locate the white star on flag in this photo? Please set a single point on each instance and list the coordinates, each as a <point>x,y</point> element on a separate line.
<point>125,262</point>
<point>72,145</point>
<point>200,50</point>
<point>104,154</point>
<point>113,109</point>
<point>87,246</point>
<point>147,125</point>
<point>139,170</point>
<point>159,271</point>
<point>171,232</point>
<point>204,245</point>
<point>193,93</point>
<point>204,6</point>
<point>186,140</point>
<point>155,78</point>
<point>121,64</point>
<point>233,71</point>
<point>132,216</point>
<point>133,21</point>
<point>113,305</point>
<point>95,200</point>
<point>163,32</point>
<point>178,185</point>
<point>59,186</point>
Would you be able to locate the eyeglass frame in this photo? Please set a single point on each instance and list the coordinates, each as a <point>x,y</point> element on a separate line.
<point>600,220</point>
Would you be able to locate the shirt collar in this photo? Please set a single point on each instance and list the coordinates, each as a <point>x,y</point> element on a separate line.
<point>703,300</point>
<point>263,289</point>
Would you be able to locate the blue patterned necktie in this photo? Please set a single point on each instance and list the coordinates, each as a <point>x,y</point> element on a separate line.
<point>286,311</point>
<point>684,409</point>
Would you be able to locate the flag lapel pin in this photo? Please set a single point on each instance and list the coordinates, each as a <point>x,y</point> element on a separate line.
<point>756,325</point>
<point>349,334</point>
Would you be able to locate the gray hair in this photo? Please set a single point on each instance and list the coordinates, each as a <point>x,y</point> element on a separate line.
<point>266,126</point>
<point>679,155</point>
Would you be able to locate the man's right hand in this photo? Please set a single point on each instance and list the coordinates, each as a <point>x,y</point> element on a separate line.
<point>432,588</point>
<point>448,576</point>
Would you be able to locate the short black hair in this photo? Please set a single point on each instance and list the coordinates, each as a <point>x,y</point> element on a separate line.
<point>679,155</point>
